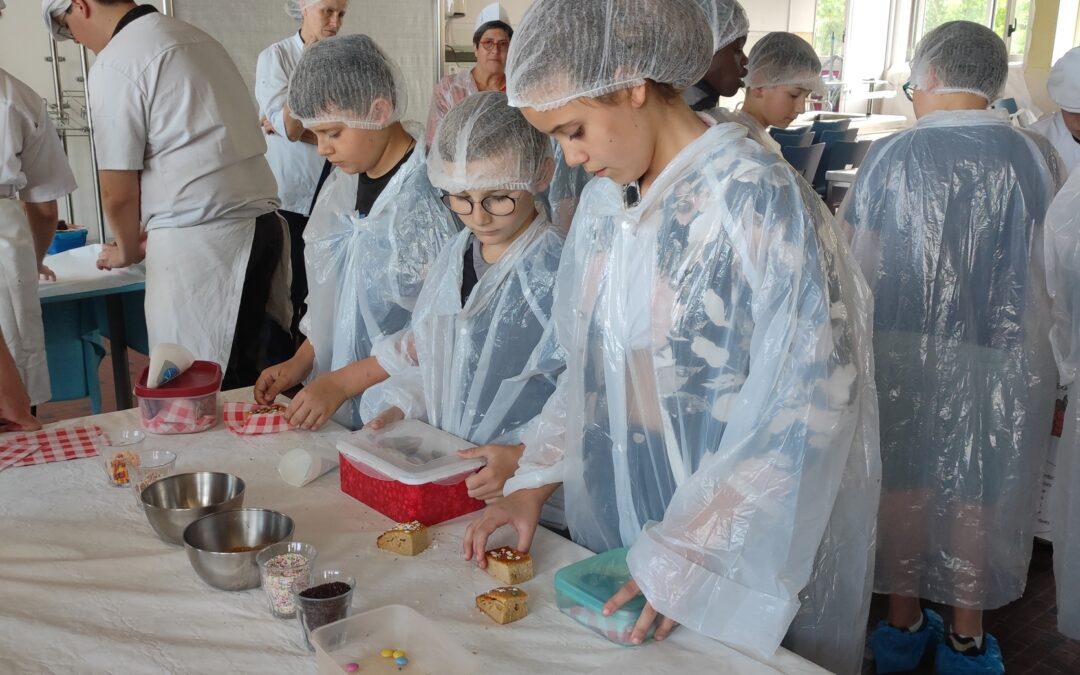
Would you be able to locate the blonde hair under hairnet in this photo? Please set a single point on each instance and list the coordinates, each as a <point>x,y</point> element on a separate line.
<point>484,144</point>
<point>784,60</point>
<point>569,49</point>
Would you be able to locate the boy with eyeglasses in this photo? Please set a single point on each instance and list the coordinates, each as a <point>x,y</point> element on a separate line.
<point>480,359</point>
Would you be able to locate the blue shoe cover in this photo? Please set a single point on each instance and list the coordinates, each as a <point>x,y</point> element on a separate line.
<point>951,662</point>
<point>896,650</point>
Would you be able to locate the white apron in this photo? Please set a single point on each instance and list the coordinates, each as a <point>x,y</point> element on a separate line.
<point>20,308</point>
<point>194,280</point>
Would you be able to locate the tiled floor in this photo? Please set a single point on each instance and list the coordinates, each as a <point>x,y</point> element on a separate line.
<point>1026,629</point>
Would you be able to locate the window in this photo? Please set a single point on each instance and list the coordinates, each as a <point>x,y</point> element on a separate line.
<point>1008,18</point>
<point>829,25</point>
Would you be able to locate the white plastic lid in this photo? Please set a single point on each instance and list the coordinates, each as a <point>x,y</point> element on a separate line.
<point>410,452</point>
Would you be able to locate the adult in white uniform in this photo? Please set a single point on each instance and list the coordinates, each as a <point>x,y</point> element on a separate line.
<point>1063,127</point>
<point>290,149</point>
<point>34,173</point>
<point>180,156</point>
<point>491,42</point>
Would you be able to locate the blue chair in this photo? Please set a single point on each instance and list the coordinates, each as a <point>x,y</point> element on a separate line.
<point>839,155</point>
<point>789,131</point>
<point>800,140</point>
<point>821,126</point>
<point>838,136</point>
<point>804,160</point>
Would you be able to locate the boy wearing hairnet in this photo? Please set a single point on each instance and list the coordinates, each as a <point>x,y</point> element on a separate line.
<point>374,232</point>
<point>729,25</point>
<point>947,220</point>
<point>782,71</point>
<point>716,416</point>
<point>480,359</point>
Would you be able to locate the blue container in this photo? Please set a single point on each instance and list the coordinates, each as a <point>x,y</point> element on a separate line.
<point>65,240</point>
<point>582,589</point>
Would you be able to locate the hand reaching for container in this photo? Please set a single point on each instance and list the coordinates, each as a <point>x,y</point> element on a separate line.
<point>388,416</point>
<point>45,273</point>
<point>648,616</point>
<point>502,462</point>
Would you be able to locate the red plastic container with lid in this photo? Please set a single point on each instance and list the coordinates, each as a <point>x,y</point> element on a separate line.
<point>408,471</point>
<point>185,405</point>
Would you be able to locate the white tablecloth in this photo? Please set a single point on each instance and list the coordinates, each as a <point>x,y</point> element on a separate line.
<point>87,587</point>
<point>76,272</point>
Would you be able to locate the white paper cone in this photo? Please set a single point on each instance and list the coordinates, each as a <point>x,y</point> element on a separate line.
<point>301,466</point>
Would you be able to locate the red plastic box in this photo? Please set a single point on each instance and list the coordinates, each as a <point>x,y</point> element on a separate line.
<point>408,471</point>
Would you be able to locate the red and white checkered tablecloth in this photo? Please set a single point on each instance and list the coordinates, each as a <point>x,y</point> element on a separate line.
<point>180,416</point>
<point>238,421</point>
<point>42,447</point>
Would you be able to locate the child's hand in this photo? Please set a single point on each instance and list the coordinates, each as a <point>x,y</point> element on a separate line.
<point>275,380</point>
<point>316,403</point>
<point>388,416</point>
<point>647,618</point>
<point>520,510</point>
<point>502,462</point>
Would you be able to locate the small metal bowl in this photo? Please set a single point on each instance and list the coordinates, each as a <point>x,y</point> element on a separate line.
<point>174,502</point>
<point>222,546</point>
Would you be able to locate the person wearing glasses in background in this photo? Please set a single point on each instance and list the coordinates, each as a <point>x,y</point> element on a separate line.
<point>290,149</point>
<point>491,41</point>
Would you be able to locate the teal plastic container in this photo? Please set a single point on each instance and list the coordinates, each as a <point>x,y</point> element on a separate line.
<point>582,589</point>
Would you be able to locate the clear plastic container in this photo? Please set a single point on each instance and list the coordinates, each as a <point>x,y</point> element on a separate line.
<point>152,465</point>
<point>408,471</point>
<point>117,449</point>
<point>283,567</point>
<point>361,638</point>
<point>185,405</point>
<point>315,612</point>
<point>582,589</point>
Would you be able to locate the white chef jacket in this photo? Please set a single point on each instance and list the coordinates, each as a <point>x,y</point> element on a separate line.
<point>296,166</point>
<point>33,168</point>
<point>1054,128</point>
<point>167,100</point>
<point>33,165</point>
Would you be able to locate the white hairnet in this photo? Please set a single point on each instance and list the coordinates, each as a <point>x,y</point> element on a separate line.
<point>342,79</point>
<point>3,5</point>
<point>1064,83</point>
<point>484,144</point>
<point>568,49</point>
<point>966,58</point>
<point>784,60</point>
<point>295,8</point>
<point>54,8</point>
<point>728,21</point>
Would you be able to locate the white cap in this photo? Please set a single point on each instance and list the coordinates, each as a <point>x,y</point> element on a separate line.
<point>493,12</point>
<point>3,5</point>
<point>51,9</point>
<point>1064,83</point>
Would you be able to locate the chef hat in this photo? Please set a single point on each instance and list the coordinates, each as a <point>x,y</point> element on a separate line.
<point>493,12</point>
<point>50,9</point>
<point>1064,83</point>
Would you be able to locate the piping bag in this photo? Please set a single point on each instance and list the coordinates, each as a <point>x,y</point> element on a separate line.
<point>300,466</point>
<point>167,362</point>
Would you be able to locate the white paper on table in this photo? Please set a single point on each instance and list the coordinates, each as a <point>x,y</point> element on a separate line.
<point>300,466</point>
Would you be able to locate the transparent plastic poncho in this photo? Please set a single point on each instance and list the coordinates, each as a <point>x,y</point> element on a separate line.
<point>1063,280</point>
<point>717,412</point>
<point>947,220</point>
<point>481,372</point>
<point>364,274</point>
<point>565,190</point>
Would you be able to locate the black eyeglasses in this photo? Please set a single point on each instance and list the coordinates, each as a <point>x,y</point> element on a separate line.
<point>909,90</point>
<point>496,205</point>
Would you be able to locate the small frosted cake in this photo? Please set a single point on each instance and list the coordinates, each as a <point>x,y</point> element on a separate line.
<point>405,538</point>
<point>504,605</point>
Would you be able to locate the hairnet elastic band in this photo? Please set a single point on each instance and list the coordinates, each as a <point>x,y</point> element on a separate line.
<point>591,93</point>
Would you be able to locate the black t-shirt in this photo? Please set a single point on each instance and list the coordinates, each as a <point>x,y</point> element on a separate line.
<point>368,189</point>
